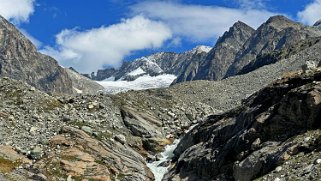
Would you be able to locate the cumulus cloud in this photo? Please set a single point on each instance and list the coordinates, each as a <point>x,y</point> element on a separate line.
<point>16,11</point>
<point>311,13</point>
<point>92,49</point>
<point>198,23</point>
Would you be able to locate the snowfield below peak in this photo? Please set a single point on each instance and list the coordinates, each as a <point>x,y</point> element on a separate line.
<point>141,83</point>
<point>138,71</point>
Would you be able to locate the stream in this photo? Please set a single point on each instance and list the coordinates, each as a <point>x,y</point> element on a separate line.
<point>167,155</point>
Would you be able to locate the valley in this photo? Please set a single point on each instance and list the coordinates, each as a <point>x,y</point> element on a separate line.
<point>248,108</point>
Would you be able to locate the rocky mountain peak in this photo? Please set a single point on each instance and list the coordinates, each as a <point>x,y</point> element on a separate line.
<point>12,34</point>
<point>281,22</point>
<point>20,60</point>
<point>318,23</point>
<point>240,25</point>
<point>238,30</point>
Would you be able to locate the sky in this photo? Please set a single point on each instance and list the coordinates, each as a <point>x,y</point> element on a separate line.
<point>90,35</point>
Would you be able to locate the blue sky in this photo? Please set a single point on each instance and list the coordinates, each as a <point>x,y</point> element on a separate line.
<point>90,35</point>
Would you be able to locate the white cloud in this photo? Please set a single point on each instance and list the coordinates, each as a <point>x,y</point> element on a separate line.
<point>90,50</point>
<point>198,23</point>
<point>311,13</point>
<point>16,11</point>
<point>250,4</point>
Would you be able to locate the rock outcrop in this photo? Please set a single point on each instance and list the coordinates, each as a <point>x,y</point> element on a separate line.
<point>276,33</point>
<point>20,60</point>
<point>274,128</point>
<point>318,23</point>
<point>221,57</point>
<point>82,84</point>
<point>81,137</point>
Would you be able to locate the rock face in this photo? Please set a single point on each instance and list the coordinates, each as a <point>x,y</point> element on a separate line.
<point>281,54</point>
<point>221,57</point>
<point>318,23</point>
<point>82,84</point>
<point>20,60</point>
<point>82,156</point>
<point>276,126</point>
<point>276,33</point>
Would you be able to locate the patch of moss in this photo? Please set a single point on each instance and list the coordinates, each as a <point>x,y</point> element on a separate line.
<point>54,170</point>
<point>121,176</point>
<point>15,95</point>
<point>100,162</point>
<point>51,105</point>
<point>70,158</point>
<point>103,136</point>
<point>119,100</point>
<point>7,166</point>
<point>78,124</point>
<point>78,178</point>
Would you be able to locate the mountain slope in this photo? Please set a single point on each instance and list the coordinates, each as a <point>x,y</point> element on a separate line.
<point>155,64</point>
<point>277,32</point>
<point>20,60</point>
<point>82,84</point>
<point>240,50</point>
<point>279,126</point>
<point>220,58</point>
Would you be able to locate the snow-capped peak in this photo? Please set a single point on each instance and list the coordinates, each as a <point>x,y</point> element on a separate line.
<point>149,65</point>
<point>201,48</point>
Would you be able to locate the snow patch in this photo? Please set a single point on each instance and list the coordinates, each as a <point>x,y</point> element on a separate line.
<point>202,48</point>
<point>138,71</point>
<point>78,91</point>
<point>112,78</point>
<point>141,83</point>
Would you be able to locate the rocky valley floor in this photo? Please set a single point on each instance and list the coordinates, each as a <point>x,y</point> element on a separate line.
<point>253,114</point>
<point>110,137</point>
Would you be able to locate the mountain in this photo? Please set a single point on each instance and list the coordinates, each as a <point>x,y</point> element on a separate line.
<point>154,71</point>
<point>240,50</point>
<point>280,54</point>
<point>263,124</point>
<point>155,64</point>
<point>82,84</point>
<point>277,32</point>
<point>20,60</point>
<point>275,133</point>
<point>214,65</point>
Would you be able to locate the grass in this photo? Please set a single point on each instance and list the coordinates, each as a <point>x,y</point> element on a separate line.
<point>15,95</point>
<point>7,166</point>
<point>51,105</point>
<point>54,171</point>
<point>70,158</point>
<point>78,124</point>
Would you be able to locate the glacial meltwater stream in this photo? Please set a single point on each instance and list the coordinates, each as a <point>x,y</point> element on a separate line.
<point>167,155</point>
<point>158,170</point>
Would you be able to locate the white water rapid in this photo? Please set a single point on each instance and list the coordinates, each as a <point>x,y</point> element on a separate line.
<point>167,155</point>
